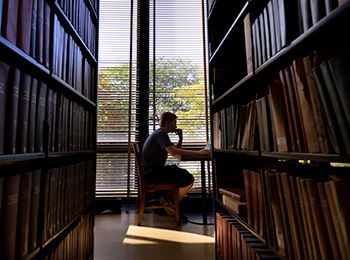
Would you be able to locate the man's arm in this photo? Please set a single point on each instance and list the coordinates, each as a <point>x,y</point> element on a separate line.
<point>178,152</point>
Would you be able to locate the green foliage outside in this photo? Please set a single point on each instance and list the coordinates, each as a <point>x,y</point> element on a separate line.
<point>179,89</point>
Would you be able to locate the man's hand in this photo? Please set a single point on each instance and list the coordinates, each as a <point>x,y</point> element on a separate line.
<point>178,131</point>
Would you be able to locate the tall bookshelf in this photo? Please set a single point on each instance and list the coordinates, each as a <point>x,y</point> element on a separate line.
<point>280,102</point>
<point>48,88</point>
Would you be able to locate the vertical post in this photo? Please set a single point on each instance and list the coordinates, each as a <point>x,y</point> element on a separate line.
<point>143,70</point>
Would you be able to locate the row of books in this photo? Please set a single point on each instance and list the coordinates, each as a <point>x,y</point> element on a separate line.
<point>79,243</point>
<point>31,112</point>
<point>79,15</point>
<point>69,64</point>
<point>255,201</point>
<point>234,241</point>
<point>69,190</point>
<point>34,205</point>
<point>281,21</point>
<point>305,110</point>
<point>311,216</point>
<point>26,24</point>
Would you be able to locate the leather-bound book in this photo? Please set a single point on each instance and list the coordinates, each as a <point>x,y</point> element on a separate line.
<point>9,20</point>
<point>25,8</point>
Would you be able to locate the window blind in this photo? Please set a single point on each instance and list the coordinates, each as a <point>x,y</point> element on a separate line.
<point>177,84</point>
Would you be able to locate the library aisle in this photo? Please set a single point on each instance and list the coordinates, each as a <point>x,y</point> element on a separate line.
<point>118,237</point>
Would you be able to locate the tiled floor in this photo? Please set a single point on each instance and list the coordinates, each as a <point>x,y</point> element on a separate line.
<point>118,237</point>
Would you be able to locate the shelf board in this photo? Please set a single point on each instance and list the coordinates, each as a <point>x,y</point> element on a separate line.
<point>308,156</point>
<point>70,154</point>
<point>20,59</point>
<point>8,159</point>
<point>236,152</point>
<point>92,10</point>
<point>72,92</point>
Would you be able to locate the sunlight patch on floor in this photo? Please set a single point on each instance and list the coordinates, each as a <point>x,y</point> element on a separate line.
<point>151,235</point>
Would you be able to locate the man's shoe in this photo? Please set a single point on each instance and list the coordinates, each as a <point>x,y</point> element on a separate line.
<point>170,211</point>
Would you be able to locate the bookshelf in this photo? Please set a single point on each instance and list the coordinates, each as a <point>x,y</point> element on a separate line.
<point>48,104</point>
<point>280,102</point>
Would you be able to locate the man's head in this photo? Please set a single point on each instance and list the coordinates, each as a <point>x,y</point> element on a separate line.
<point>168,119</point>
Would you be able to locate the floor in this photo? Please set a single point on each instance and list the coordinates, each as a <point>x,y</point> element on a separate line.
<point>118,237</point>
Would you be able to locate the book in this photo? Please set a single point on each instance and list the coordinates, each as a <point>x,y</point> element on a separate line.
<point>326,209</point>
<point>278,114</point>
<point>316,104</point>
<point>9,210</point>
<point>33,28</point>
<point>24,205</point>
<point>4,74</point>
<point>248,44</point>
<point>339,68</point>
<point>276,212</point>
<point>235,193</point>
<point>249,197</point>
<point>306,112</point>
<point>23,113</point>
<point>34,210</point>
<point>317,217</point>
<point>236,206</point>
<point>25,15</point>
<point>331,91</point>
<point>9,20</point>
<point>331,126</point>
<point>40,117</point>
<point>12,110</point>
<point>32,116</point>
<point>318,11</point>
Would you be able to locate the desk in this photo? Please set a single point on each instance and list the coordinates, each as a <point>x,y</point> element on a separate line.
<point>202,158</point>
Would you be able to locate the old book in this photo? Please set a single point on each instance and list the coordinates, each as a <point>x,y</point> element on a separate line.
<point>326,209</point>
<point>316,105</point>
<point>271,19</point>
<point>339,68</point>
<point>32,116</point>
<point>235,193</point>
<point>254,199</point>
<point>317,217</point>
<point>4,74</point>
<point>12,110</point>
<point>8,223</point>
<point>39,40</point>
<point>317,10</point>
<point>34,210</point>
<point>308,120</point>
<point>289,26</point>
<point>334,97</point>
<point>267,33</point>
<point>284,213</point>
<point>236,206</point>
<point>23,113</point>
<point>340,187</point>
<point>25,8</point>
<point>291,215</point>
<point>262,37</point>
<point>331,125</point>
<point>40,117</point>
<point>24,205</point>
<point>260,206</point>
<point>9,20</point>
<point>276,212</point>
<point>33,28</point>
<point>249,198</point>
<point>308,252</point>
<point>278,114</point>
<point>305,13</point>
<point>296,196</point>
<point>46,37</point>
<point>248,44</point>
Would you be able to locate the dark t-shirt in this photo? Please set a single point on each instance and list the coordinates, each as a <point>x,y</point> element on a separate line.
<point>153,152</point>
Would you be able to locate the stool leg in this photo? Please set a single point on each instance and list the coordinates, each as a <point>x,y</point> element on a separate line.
<point>177,205</point>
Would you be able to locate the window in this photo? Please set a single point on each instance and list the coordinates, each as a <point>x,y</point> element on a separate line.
<point>177,84</point>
